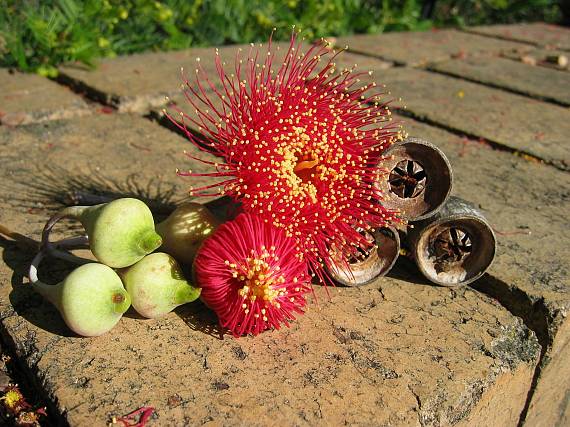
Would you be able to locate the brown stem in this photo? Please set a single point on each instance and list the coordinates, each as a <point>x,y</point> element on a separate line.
<point>52,248</point>
<point>70,212</point>
<point>60,249</point>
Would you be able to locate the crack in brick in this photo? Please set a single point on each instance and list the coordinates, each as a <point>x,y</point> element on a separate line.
<point>558,164</point>
<point>535,316</point>
<point>29,376</point>
<point>497,86</point>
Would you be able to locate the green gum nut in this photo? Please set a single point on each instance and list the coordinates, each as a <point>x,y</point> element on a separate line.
<point>91,299</point>
<point>184,231</point>
<point>120,232</point>
<point>157,285</point>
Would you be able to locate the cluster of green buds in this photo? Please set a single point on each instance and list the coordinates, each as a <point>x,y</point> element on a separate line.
<point>123,238</point>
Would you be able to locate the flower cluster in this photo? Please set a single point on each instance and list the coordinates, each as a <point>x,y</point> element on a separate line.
<point>301,143</point>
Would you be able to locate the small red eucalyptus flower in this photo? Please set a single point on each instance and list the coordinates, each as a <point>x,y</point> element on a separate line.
<point>251,275</point>
<point>301,143</point>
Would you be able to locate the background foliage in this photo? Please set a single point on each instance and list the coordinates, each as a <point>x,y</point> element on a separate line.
<point>37,35</point>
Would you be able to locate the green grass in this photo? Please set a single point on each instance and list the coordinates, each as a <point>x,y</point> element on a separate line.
<point>38,35</point>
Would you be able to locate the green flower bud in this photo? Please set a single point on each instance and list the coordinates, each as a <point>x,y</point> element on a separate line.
<point>91,299</point>
<point>184,231</point>
<point>120,232</point>
<point>157,285</point>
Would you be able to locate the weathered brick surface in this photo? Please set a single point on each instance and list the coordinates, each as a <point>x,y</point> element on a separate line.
<point>28,98</point>
<point>136,82</point>
<point>413,48</point>
<point>515,121</point>
<point>139,83</point>
<point>125,146</point>
<point>527,204</point>
<point>396,352</point>
<point>550,403</point>
<point>538,82</point>
<point>541,57</point>
<point>536,33</point>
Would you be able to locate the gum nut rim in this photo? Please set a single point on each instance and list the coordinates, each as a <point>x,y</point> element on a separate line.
<point>372,264</point>
<point>455,250</point>
<point>417,179</point>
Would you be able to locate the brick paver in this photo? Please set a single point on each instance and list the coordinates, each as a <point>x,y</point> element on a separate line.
<point>526,203</point>
<point>530,264</point>
<point>139,82</point>
<point>421,48</point>
<point>515,121</point>
<point>536,33</point>
<point>541,57</point>
<point>538,82</point>
<point>28,98</point>
<point>135,83</point>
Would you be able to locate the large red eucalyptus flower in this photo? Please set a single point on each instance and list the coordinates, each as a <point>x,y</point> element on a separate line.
<point>301,143</point>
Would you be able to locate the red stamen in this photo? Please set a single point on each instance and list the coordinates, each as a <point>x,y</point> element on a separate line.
<point>129,421</point>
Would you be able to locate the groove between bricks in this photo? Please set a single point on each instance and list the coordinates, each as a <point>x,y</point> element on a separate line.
<point>506,38</point>
<point>560,165</point>
<point>497,87</point>
<point>86,91</point>
<point>396,63</point>
<point>534,314</point>
<point>26,376</point>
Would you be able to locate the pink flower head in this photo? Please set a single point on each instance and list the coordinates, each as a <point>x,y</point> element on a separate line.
<point>301,143</point>
<point>251,275</point>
